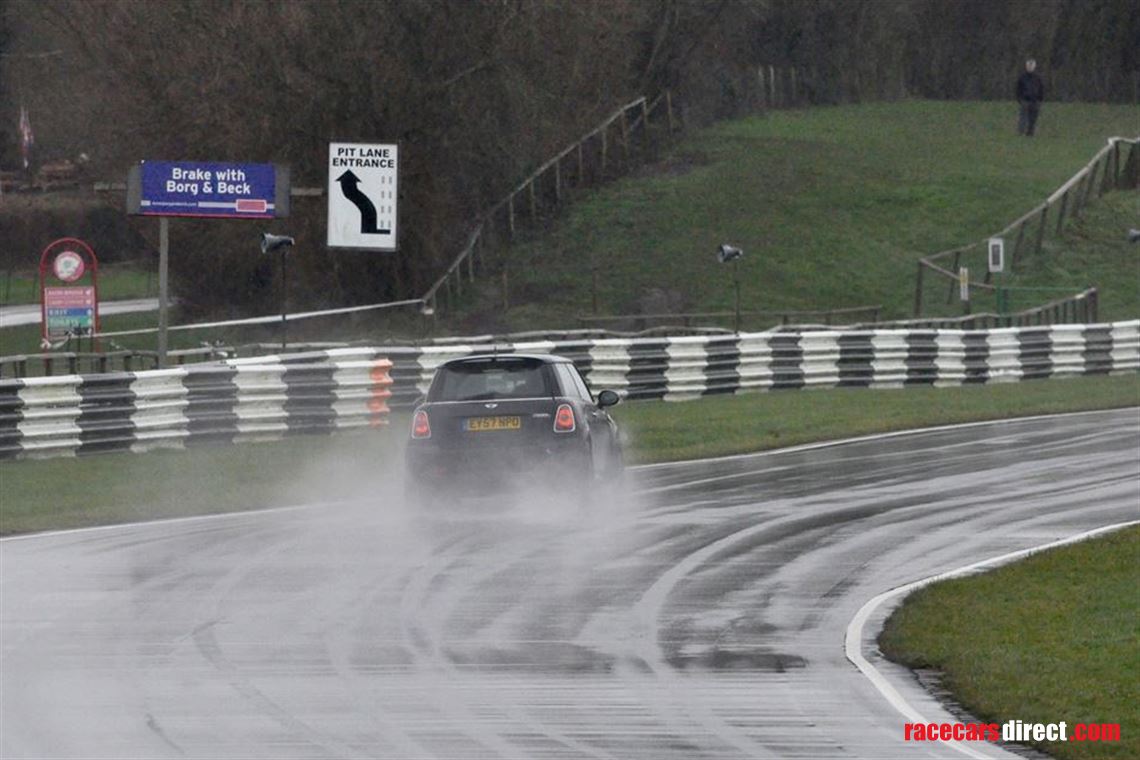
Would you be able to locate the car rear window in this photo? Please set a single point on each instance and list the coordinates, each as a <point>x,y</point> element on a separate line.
<point>486,379</point>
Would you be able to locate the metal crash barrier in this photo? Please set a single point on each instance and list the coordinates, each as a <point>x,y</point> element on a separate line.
<point>679,368</point>
<point>323,391</point>
<point>138,411</point>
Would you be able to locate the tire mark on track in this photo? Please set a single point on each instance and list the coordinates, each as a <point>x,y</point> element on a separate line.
<point>434,656</point>
<point>205,639</point>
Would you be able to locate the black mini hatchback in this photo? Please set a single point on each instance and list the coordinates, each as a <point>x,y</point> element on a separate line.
<point>490,422</point>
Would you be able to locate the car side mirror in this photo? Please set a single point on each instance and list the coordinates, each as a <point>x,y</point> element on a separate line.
<point>607,398</point>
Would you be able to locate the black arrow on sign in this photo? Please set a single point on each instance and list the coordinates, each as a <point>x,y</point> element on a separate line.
<point>348,185</point>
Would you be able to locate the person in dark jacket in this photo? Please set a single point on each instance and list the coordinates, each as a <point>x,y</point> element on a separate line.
<point>1030,93</point>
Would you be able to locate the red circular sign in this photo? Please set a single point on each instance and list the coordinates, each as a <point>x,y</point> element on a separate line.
<point>68,266</point>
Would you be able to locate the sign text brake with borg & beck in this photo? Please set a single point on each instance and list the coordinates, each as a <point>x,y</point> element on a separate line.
<point>229,181</point>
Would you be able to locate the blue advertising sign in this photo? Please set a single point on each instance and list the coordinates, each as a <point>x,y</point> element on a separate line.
<point>211,189</point>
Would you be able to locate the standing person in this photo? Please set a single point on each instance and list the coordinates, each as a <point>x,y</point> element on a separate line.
<point>1030,93</point>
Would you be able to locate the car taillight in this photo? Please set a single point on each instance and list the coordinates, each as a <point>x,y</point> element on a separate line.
<point>564,419</point>
<point>421,428</point>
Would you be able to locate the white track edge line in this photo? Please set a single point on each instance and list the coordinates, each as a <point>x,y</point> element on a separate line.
<point>172,520</point>
<point>853,638</point>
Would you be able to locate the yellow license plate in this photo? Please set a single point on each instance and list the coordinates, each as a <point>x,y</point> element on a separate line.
<point>479,424</point>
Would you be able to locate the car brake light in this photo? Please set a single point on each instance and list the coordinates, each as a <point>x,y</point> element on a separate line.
<point>421,428</point>
<point>564,419</point>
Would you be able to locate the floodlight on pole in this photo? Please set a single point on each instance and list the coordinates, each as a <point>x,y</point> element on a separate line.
<point>725,254</point>
<point>282,243</point>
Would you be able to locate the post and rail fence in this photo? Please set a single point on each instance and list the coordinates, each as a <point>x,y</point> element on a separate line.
<point>601,153</point>
<point>1110,169</point>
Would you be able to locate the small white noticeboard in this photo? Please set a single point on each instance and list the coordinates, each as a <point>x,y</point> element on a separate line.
<point>996,249</point>
<point>362,191</point>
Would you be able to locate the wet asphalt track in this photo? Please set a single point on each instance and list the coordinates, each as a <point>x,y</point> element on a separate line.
<point>704,620</point>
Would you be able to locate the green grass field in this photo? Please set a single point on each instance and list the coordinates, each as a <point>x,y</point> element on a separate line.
<point>833,208</point>
<point>1060,641</point>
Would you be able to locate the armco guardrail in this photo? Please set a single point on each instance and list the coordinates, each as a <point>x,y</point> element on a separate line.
<point>321,391</point>
<point>678,368</point>
<point>136,411</point>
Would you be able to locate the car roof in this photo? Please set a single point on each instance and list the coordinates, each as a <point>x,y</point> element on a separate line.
<point>543,358</point>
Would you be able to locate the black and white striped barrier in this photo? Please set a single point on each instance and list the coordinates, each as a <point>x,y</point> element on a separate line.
<point>137,411</point>
<point>680,368</point>
<point>273,396</point>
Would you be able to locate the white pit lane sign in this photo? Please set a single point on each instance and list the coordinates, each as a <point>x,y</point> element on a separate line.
<point>362,192</point>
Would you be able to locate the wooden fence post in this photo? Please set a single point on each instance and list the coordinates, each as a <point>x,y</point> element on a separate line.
<point>1061,211</point>
<point>1131,174</point>
<point>1017,246</point>
<point>624,135</point>
<point>1090,184</point>
<point>581,167</point>
<point>533,200</point>
<point>918,290</point>
<point>1106,174</point>
<point>505,285</point>
<point>957,262</point>
<point>605,150</point>
<point>558,180</point>
<point>1079,192</point>
<point>1041,230</point>
<point>511,215</point>
<point>1116,165</point>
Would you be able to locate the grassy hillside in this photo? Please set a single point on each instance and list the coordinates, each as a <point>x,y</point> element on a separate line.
<point>833,206</point>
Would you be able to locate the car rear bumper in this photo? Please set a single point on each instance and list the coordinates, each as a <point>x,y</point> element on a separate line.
<point>485,470</point>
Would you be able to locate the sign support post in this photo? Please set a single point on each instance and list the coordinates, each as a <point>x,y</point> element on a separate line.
<point>163,284</point>
<point>284,300</point>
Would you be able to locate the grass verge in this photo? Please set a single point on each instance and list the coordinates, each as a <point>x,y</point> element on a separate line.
<point>72,492</point>
<point>1059,641</point>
